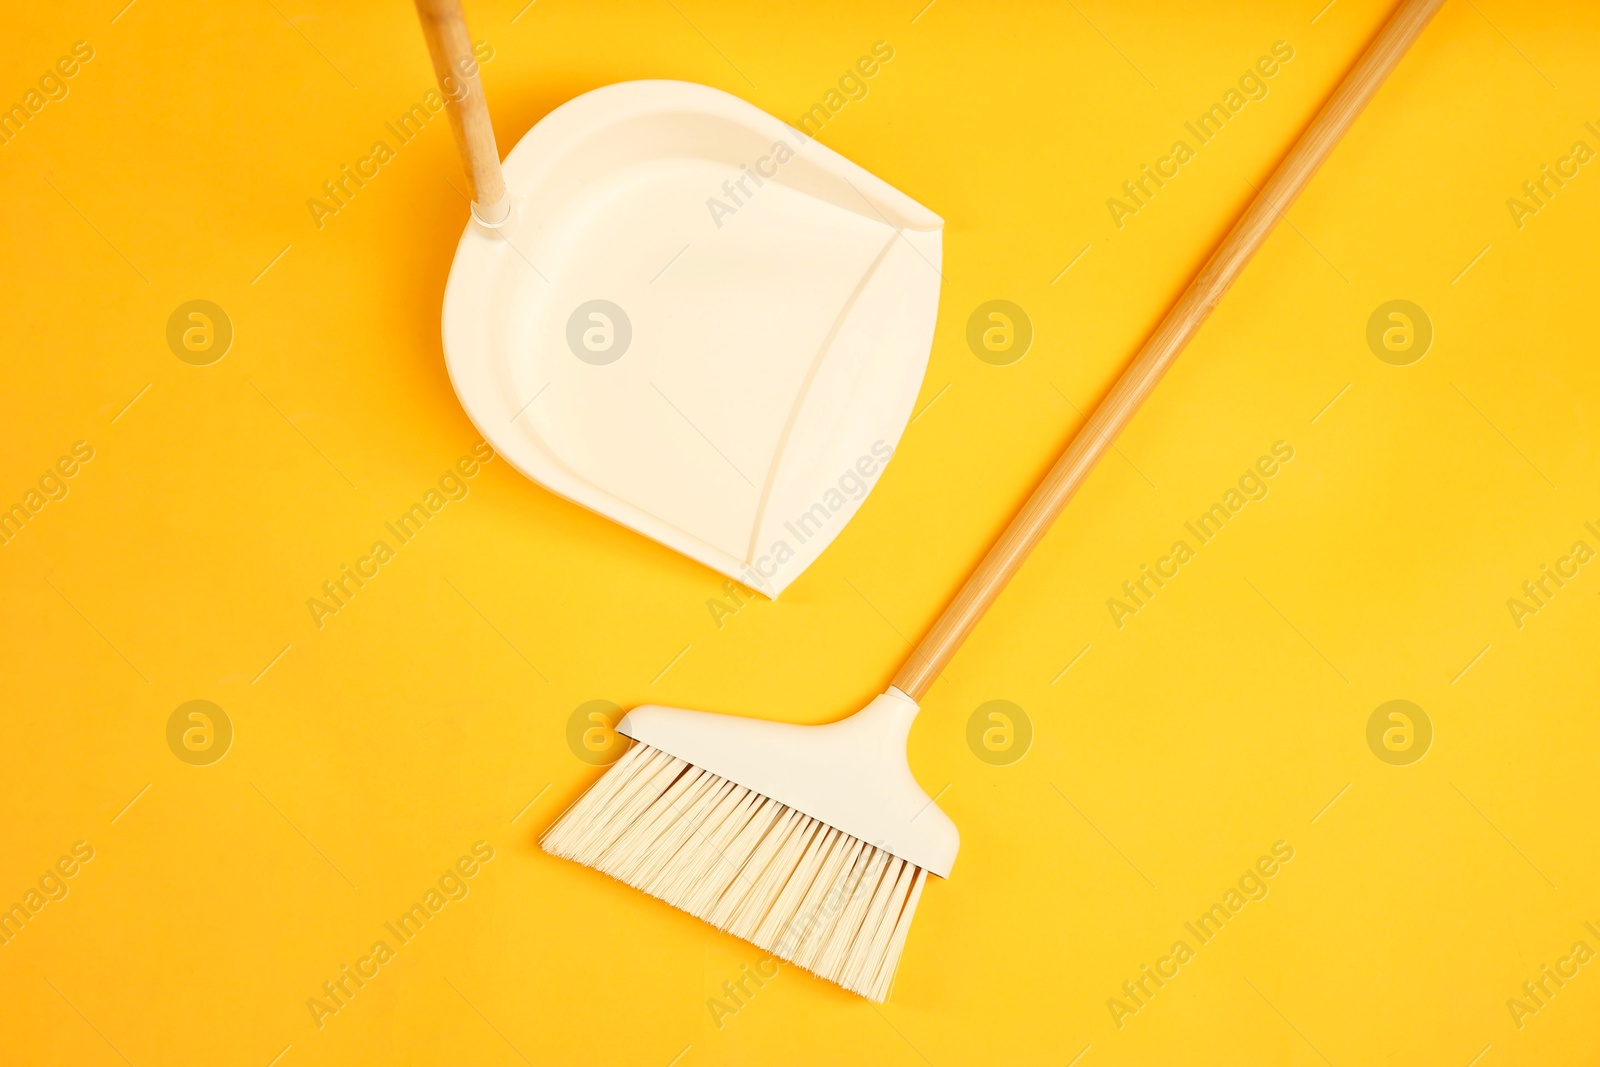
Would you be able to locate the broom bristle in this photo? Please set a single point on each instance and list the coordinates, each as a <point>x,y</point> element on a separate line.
<point>762,871</point>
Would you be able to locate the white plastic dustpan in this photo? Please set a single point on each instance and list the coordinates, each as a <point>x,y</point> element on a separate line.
<point>686,316</point>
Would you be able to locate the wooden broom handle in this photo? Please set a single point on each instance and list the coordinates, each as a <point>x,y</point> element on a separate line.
<point>444,24</point>
<point>1180,324</point>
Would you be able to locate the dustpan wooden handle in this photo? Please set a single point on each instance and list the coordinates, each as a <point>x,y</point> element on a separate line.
<point>444,25</point>
<point>1181,323</point>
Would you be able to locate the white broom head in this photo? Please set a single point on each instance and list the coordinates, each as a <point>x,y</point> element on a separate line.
<point>812,842</point>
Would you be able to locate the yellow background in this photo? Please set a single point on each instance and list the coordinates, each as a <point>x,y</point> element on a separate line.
<point>1220,719</point>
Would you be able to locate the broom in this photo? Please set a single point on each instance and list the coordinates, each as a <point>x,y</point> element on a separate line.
<point>815,842</point>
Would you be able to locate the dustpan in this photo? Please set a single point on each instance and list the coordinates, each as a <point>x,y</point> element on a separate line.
<point>687,316</point>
